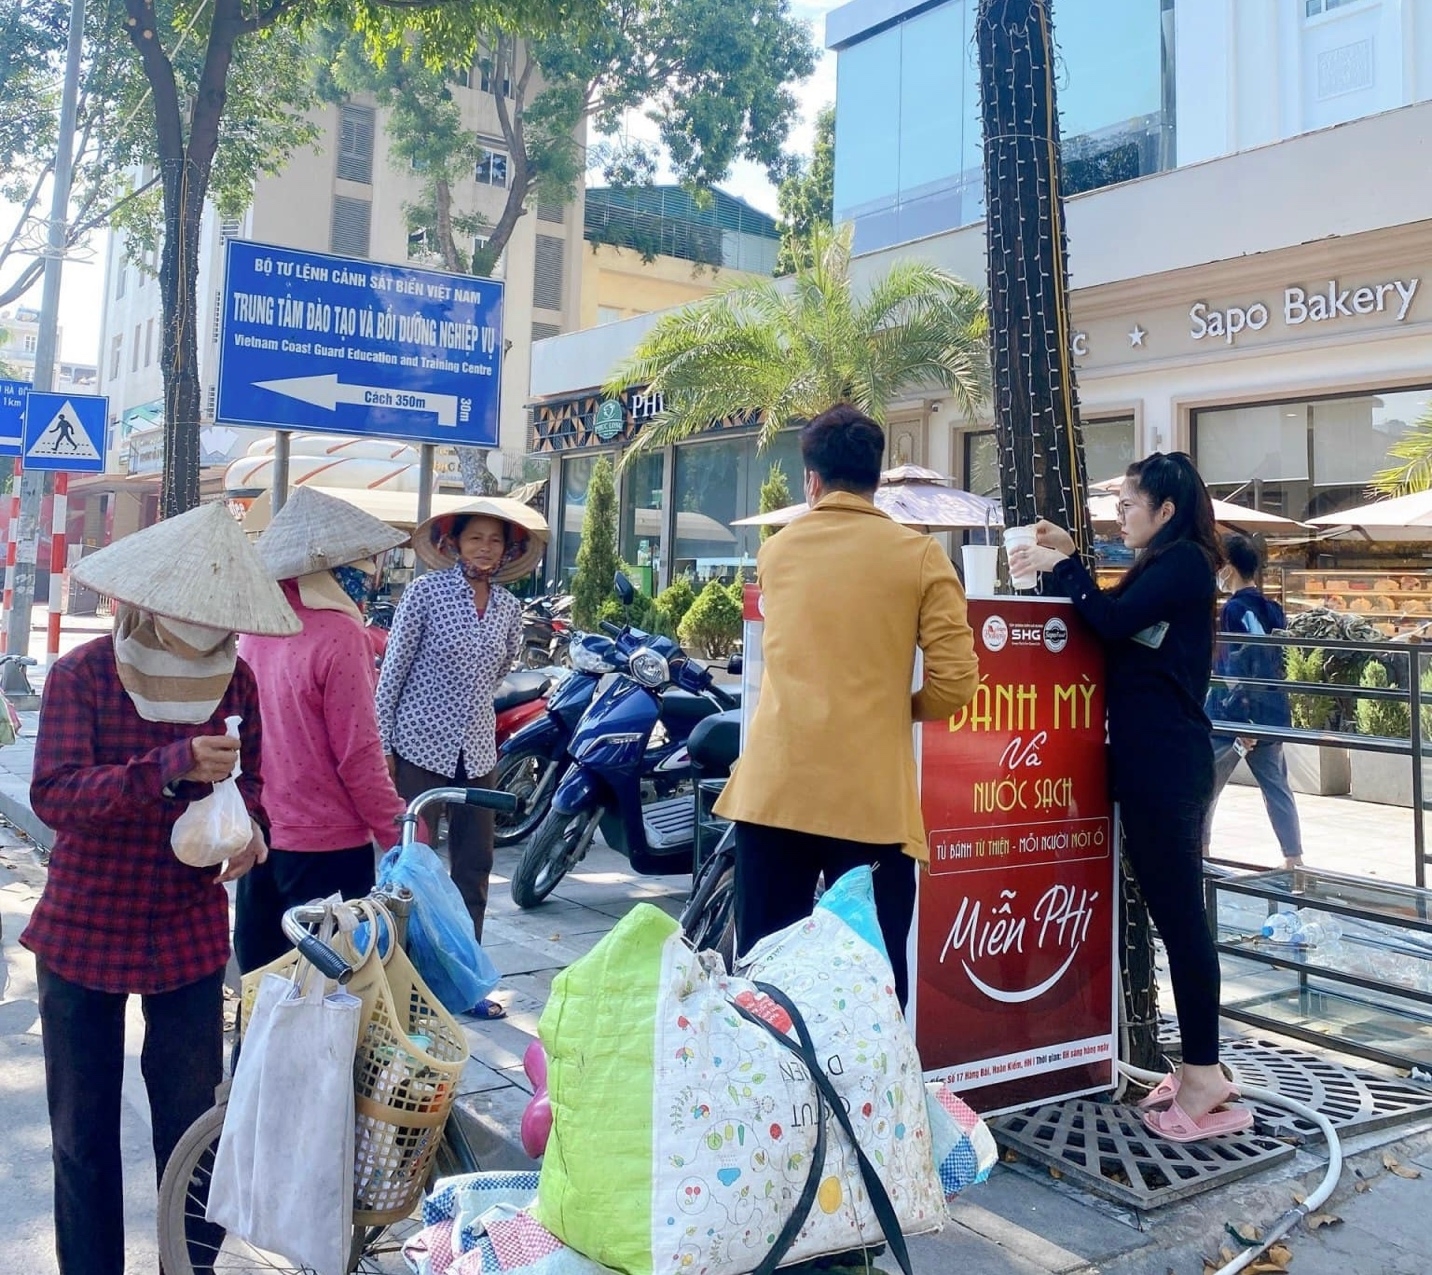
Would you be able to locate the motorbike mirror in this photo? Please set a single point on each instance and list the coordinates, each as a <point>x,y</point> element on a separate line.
<point>733,665</point>
<point>624,589</point>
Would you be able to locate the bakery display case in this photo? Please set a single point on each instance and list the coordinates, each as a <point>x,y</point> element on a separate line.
<point>1396,602</point>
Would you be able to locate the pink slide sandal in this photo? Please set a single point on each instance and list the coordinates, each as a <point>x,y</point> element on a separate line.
<point>1166,1091</point>
<point>1174,1124</point>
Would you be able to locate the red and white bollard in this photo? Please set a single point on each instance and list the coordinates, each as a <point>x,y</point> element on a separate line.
<point>58,523</point>
<point>12,524</point>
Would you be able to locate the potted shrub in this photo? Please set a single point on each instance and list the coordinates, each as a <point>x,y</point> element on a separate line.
<point>1385,778</point>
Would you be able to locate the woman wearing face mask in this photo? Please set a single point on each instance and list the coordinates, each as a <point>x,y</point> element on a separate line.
<point>1157,628</point>
<point>131,732</point>
<point>454,637</point>
<point>329,795</point>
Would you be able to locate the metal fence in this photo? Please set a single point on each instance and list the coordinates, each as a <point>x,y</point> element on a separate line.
<point>1360,979</point>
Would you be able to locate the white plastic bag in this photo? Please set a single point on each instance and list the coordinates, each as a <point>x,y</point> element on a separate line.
<point>283,1173</point>
<point>216,827</point>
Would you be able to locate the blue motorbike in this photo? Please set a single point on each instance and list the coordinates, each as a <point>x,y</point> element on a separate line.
<point>629,763</point>
<point>530,760</point>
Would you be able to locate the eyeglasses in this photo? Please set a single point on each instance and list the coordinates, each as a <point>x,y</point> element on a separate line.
<point>1125,506</point>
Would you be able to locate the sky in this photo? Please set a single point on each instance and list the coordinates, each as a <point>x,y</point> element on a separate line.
<point>83,280</point>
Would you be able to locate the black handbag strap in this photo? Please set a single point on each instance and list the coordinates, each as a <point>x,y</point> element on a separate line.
<point>827,1099</point>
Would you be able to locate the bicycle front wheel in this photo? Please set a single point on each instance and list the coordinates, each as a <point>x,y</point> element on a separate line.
<point>188,1245</point>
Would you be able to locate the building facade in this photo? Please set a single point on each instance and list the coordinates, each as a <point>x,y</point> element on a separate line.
<point>1266,309</point>
<point>19,339</point>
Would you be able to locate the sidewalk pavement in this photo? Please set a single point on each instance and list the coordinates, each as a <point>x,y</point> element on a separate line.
<point>1023,1221</point>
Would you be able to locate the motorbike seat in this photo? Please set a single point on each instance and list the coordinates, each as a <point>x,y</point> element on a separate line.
<point>715,744</point>
<point>680,711</point>
<point>521,687</point>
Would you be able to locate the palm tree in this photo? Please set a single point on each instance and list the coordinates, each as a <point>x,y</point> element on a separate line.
<point>783,352</point>
<point>1414,450</point>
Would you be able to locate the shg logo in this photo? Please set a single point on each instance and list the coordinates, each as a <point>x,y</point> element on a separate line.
<point>1056,635</point>
<point>995,634</point>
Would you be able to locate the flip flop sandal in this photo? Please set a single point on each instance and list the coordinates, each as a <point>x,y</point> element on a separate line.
<point>487,1010</point>
<point>1174,1124</point>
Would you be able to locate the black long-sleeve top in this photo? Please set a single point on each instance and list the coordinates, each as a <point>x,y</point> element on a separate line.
<point>1158,730</point>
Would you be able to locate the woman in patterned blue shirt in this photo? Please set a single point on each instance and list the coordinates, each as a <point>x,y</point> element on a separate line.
<point>455,635</point>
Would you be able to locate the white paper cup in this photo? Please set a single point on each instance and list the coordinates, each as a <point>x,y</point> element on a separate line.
<point>981,570</point>
<point>1014,538</point>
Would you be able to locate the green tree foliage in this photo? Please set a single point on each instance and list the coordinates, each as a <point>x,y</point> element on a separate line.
<point>714,75</point>
<point>199,97</point>
<point>712,626</point>
<point>775,494</point>
<point>806,198</point>
<point>673,602</point>
<point>1387,717</point>
<point>597,553</point>
<point>785,354</point>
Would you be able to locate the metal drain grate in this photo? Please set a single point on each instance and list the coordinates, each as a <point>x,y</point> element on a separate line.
<point>1354,1101</point>
<point>1106,1150</point>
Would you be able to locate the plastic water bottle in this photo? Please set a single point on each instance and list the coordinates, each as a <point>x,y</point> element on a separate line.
<point>1280,927</point>
<point>1316,929</point>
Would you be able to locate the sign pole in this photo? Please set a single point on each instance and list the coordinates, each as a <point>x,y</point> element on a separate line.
<point>427,458</point>
<point>59,523</point>
<point>278,488</point>
<point>32,486</point>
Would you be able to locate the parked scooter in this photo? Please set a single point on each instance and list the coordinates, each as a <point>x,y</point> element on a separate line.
<point>628,757</point>
<point>546,631</point>
<point>530,761</point>
<point>519,699</point>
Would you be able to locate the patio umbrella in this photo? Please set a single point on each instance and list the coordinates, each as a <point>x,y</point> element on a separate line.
<point>914,496</point>
<point>1403,518</point>
<point>1103,509</point>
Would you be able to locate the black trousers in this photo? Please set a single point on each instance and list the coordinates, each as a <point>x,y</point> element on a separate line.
<point>776,872</point>
<point>1163,843</point>
<point>287,879</point>
<point>182,1062</point>
<point>470,832</point>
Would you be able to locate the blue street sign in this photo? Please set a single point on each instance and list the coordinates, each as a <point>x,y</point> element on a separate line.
<point>346,346</point>
<point>65,432</point>
<point>12,415</point>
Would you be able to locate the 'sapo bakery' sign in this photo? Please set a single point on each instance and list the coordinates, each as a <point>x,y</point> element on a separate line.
<point>1302,306</point>
<point>1015,959</point>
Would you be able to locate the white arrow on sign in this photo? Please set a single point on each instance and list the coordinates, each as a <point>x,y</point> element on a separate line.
<point>327,392</point>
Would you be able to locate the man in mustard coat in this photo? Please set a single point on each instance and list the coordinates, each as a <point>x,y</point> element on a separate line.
<point>827,779</point>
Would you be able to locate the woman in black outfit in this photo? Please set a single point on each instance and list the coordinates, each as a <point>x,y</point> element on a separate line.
<point>1157,629</point>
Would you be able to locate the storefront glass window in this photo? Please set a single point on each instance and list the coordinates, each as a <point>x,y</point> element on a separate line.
<point>717,483</point>
<point>916,84</point>
<point>642,514</point>
<point>1108,447</point>
<point>982,464</point>
<point>576,478</point>
<point>1303,458</point>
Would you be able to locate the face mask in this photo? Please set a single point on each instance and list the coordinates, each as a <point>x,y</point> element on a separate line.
<point>354,582</point>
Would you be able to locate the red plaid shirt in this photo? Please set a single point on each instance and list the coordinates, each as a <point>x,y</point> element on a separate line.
<point>119,912</point>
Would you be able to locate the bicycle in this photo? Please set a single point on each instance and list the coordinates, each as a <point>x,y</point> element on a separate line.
<point>190,1245</point>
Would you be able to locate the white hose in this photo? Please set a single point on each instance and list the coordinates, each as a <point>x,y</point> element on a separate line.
<point>1294,1215</point>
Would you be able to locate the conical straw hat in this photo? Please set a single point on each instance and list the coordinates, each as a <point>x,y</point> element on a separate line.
<point>530,535</point>
<point>314,532</point>
<point>198,567</point>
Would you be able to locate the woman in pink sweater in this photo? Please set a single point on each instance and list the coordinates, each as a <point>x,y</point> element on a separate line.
<point>326,785</point>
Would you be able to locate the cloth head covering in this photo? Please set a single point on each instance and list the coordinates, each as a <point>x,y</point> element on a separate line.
<point>317,532</point>
<point>172,671</point>
<point>433,543</point>
<point>197,567</point>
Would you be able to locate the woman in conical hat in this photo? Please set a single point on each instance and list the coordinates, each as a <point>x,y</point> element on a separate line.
<point>132,730</point>
<point>326,787</point>
<point>454,637</point>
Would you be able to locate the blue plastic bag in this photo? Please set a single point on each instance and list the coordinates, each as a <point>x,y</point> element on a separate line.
<point>441,941</point>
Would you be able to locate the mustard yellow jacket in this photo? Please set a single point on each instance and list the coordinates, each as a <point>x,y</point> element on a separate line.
<point>848,595</point>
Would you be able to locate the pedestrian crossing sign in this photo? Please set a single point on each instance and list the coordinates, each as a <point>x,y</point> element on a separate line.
<point>65,432</point>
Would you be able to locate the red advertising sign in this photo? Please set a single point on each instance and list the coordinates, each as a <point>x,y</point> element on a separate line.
<point>1014,982</point>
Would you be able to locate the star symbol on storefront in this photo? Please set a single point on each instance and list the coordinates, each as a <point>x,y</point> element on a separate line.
<point>1136,337</point>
